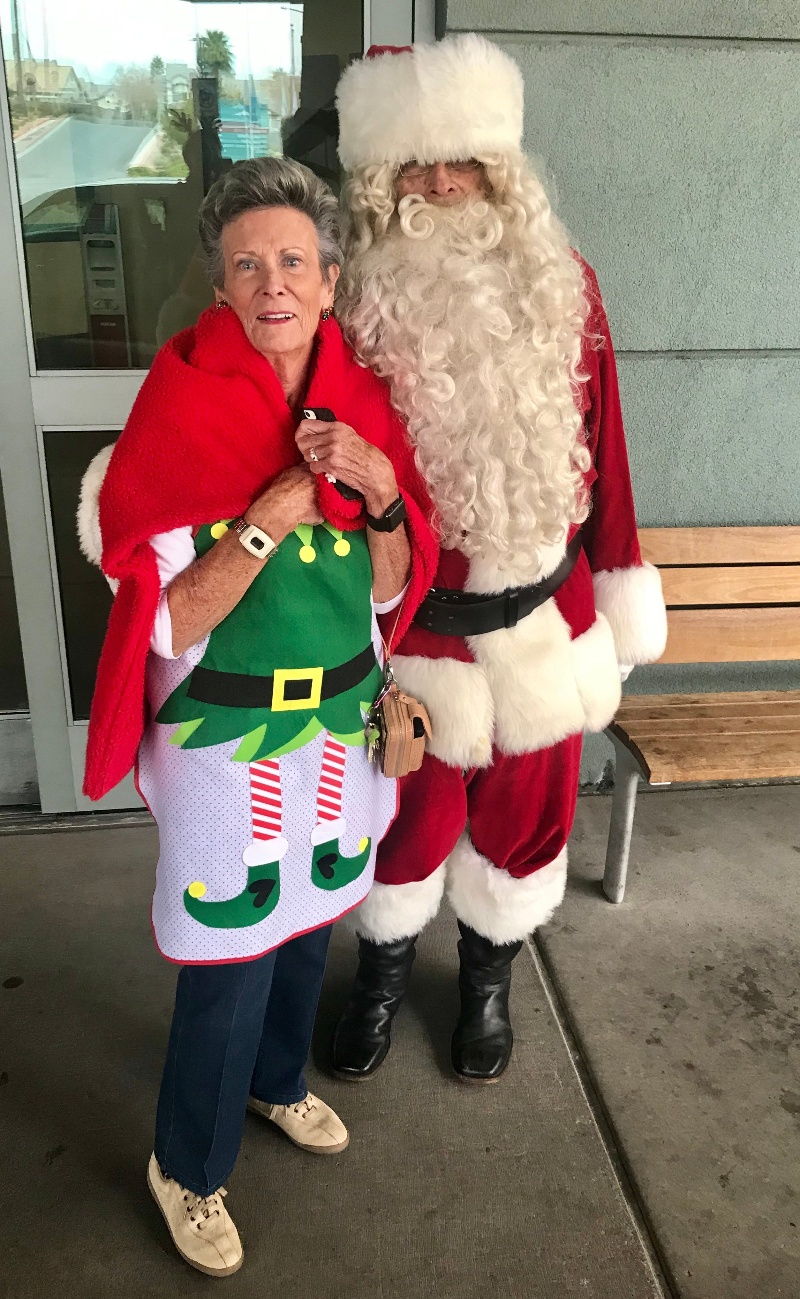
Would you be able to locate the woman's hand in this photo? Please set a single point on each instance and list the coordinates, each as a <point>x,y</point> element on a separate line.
<point>340,452</point>
<point>290,500</point>
<point>205,592</point>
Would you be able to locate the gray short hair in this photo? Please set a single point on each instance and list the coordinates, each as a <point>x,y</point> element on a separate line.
<point>269,182</point>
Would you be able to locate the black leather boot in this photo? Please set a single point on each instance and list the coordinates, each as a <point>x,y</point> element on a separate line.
<point>483,1039</point>
<point>362,1038</point>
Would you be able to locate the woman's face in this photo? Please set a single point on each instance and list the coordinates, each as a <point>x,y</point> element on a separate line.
<point>273,279</point>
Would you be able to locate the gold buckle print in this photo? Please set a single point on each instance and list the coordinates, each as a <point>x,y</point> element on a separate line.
<point>280,704</point>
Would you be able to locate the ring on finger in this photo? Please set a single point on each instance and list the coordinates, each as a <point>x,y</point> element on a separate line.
<point>312,455</point>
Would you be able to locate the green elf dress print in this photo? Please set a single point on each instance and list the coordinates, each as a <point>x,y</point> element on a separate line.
<point>311,671</point>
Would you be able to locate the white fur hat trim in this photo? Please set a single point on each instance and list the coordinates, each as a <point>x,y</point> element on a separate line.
<point>437,103</point>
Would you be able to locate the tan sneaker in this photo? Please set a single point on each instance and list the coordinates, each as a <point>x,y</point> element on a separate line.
<point>310,1124</point>
<point>200,1226</point>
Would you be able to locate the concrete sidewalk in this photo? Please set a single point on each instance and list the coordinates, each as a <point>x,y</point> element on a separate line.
<point>682,1005</point>
<point>445,1191</point>
<point>686,1003</point>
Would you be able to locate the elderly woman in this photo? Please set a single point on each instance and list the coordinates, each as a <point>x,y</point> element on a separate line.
<point>252,548</point>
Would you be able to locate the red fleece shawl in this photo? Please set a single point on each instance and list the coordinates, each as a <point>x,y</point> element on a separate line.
<point>209,430</point>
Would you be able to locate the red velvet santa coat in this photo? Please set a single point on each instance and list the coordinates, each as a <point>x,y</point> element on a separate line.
<point>557,672</point>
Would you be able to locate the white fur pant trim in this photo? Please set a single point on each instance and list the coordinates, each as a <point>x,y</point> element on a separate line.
<point>494,903</point>
<point>393,911</point>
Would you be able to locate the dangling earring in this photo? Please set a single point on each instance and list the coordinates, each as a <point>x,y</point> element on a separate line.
<point>220,303</point>
<point>326,315</point>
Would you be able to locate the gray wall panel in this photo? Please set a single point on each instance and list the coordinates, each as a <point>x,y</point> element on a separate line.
<point>713,441</point>
<point>767,19</point>
<point>684,196</point>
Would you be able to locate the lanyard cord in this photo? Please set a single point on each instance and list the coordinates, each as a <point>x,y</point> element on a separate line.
<point>387,656</point>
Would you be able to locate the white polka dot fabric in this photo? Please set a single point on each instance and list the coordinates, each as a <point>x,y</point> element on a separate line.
<point>201,801</point>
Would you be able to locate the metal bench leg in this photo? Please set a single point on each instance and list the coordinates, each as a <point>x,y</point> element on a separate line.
<point>623,806</point>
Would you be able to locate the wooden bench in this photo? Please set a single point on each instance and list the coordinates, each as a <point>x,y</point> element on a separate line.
<point>732,596</point>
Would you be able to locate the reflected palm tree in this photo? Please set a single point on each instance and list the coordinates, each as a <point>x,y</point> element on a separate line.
<point>214,54</point>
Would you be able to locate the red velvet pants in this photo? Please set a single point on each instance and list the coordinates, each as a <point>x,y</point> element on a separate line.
<point>520,812</point>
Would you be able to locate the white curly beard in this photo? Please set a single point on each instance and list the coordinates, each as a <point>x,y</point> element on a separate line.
<point>477,328</point>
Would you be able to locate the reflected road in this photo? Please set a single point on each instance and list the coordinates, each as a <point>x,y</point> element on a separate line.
<point>76,152</point>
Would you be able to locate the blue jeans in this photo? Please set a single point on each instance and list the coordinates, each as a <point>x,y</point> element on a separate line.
<point>238,1030</point>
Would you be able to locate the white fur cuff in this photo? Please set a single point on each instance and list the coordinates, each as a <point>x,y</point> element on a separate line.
<point>459,702</point>
<point>632,602</point>
<point>88,519</point>
<point>393,911</point>
<point>597,674</point>
<point>494,903</point>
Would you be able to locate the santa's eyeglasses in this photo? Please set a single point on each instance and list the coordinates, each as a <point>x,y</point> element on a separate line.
<point>414,170</point>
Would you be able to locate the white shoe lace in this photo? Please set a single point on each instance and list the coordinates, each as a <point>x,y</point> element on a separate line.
<point>303,1108</point>
<point>200,1208</point>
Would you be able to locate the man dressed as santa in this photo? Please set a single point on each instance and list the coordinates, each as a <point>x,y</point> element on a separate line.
<point>462,290</point>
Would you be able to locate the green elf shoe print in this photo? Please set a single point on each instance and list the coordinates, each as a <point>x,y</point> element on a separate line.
<point>257,900</point>
<point>330,869</point>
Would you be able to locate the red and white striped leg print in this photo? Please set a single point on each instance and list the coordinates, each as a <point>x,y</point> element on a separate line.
<point>266,807</point>
<point>329,794</point>
<point>330,824</point>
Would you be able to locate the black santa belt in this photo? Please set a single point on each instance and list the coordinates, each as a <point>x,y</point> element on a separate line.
<point>464,613</point>
<point>284,690</point>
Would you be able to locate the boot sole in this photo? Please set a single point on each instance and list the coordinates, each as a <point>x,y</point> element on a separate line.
<point>479,1082</point>
<point>355,1077</point>
<point>198,1267</point>
<point>482,1082</point>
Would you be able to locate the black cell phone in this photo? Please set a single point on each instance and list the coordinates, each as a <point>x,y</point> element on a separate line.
<point>327,416</point>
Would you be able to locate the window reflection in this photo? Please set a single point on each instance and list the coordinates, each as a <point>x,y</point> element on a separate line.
<point>85,594</point>
<point>123,116</point>
<point>13,691</point>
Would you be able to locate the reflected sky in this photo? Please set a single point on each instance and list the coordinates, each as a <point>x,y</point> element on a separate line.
<point>95,36</point>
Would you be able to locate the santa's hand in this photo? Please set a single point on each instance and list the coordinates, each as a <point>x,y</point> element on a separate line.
<point>336,450</point>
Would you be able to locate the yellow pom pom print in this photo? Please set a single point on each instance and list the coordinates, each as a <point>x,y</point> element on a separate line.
<point>362,843</point>
<point>219,529</point>
<point>196,890</point>
<point>308,554</point>
<point>342,548</point>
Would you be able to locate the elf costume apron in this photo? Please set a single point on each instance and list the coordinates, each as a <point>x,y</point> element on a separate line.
<point>255,764</point>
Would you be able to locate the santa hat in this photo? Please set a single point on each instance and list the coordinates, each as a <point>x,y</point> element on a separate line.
<point>436,103</point>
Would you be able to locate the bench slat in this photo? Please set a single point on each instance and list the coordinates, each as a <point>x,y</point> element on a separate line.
<point>724,725</point>
<point>744,757</point>
<point>732,635</point>
<point>635,709</point>
<point>720,545</point>
<point>768,584</point>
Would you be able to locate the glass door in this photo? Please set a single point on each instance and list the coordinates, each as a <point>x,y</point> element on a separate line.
<point>117,119</point>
